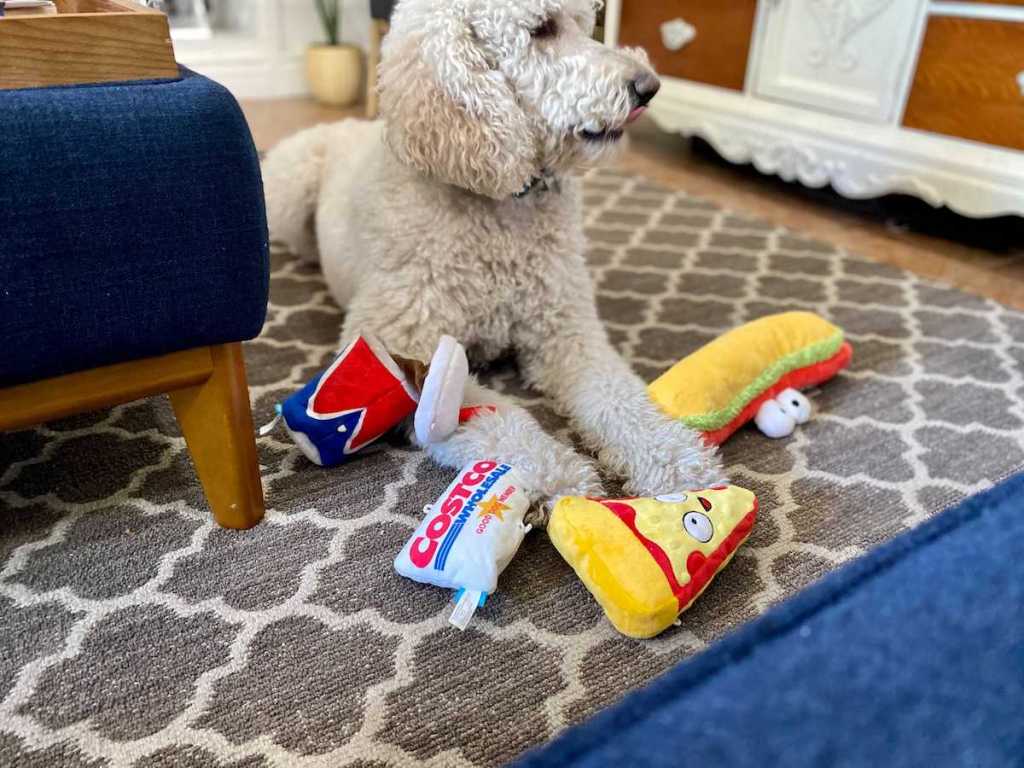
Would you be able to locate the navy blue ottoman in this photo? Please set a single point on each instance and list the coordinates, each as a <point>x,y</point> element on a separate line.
<point>134,256</point>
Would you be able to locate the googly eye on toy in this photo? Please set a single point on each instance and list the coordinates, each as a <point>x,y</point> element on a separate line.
<point>699,526</point>
<point>773,421</point>
<point>780,416</point>
<point>795,405</point>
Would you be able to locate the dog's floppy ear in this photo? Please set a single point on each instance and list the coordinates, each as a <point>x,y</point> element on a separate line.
<point>449,114</point>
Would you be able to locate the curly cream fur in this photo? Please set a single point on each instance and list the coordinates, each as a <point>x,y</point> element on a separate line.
<point>419,232</point>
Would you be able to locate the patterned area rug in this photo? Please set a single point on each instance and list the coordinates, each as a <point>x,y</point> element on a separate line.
<point>136,633</point>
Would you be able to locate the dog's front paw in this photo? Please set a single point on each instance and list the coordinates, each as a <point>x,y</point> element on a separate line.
<point>661,455</point>
<point>580,480</point>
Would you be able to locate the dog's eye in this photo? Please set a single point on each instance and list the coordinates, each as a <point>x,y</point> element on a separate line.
<point>548,29</point>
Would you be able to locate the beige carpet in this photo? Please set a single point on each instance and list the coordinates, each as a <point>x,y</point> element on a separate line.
<point>135,632</point>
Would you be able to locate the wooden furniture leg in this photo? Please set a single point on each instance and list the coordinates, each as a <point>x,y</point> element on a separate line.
<point>216,420</point>
<point>378,29</point>
<point>208,390</point>
<point>29,404</point>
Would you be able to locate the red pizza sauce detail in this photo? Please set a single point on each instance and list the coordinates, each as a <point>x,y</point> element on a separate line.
<point>700,572</point>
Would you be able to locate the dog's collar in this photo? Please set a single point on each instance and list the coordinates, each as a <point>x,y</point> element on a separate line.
<point>546,182</point>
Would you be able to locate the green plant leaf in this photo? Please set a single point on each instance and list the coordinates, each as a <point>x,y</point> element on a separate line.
<point>328,11</point>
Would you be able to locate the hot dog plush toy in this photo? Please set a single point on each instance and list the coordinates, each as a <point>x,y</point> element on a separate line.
<point>647,560</point>
<point>754,372</point>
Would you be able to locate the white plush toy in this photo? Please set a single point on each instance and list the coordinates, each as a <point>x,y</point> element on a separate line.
<point>469,535</point>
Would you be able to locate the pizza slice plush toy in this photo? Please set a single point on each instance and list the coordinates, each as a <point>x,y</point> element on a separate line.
<point>646,560</point>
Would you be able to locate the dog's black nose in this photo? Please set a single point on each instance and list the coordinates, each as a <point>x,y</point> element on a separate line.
<point>644,88</point>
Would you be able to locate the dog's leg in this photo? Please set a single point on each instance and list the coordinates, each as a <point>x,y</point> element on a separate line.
<point>549,468</point>
<point>291,182</point>
<point>507,433</point>
<point>568,356</point>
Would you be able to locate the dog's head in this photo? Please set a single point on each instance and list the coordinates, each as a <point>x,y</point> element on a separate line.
<point>488,95</point>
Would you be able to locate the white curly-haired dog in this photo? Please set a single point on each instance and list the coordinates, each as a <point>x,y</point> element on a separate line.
<point>459,214</point>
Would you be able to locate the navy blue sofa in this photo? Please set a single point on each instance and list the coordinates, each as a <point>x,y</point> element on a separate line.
<point>134,255</point>
<point>911,656</point>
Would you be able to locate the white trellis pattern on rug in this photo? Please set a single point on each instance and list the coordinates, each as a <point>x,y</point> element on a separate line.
<point>138,633</point>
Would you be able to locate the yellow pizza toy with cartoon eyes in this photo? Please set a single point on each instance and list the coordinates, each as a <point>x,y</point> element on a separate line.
<point>646,560</point>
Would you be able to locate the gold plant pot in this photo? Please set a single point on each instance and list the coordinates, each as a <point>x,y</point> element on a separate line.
<point>335,73</point>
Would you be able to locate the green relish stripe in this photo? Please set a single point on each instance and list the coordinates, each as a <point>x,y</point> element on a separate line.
<point>802,358</point>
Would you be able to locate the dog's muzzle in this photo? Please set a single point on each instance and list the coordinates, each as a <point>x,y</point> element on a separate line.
<point>642,91</point>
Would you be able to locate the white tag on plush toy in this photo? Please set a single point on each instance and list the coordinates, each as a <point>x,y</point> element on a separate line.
<point>471,533</point>
<point>465,607</point>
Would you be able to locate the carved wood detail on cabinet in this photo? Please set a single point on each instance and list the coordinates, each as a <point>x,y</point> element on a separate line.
<point>817,91</point>
<point>838,24</point>
<point>847,57</point>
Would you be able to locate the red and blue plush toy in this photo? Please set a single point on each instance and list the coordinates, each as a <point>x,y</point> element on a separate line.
<point>366,393</point>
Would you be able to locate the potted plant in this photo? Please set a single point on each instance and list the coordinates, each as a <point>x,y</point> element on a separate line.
<point>334,69</point>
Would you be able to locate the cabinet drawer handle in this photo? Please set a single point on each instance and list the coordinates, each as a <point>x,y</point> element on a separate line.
<point>1020,83</point>
<point>677,34</point>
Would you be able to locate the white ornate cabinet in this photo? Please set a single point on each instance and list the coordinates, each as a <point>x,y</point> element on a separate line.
<point>871,96</point>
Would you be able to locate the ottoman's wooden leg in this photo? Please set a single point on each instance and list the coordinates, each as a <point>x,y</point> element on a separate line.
<point>216,421</point>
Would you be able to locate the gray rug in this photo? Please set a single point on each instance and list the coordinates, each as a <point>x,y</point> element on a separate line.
<point>137,633</point>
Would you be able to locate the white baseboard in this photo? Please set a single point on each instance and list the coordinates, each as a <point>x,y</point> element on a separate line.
<point>859,160</point>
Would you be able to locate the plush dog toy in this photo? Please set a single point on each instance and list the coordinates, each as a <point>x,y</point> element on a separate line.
<point>469,535</point>
<point>754,372</point>
<point>366,392</point>
<point>647,560</point>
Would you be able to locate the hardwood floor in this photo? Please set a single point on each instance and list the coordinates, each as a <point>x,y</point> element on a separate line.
<point>274,119</point>
<point>981,257</point>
